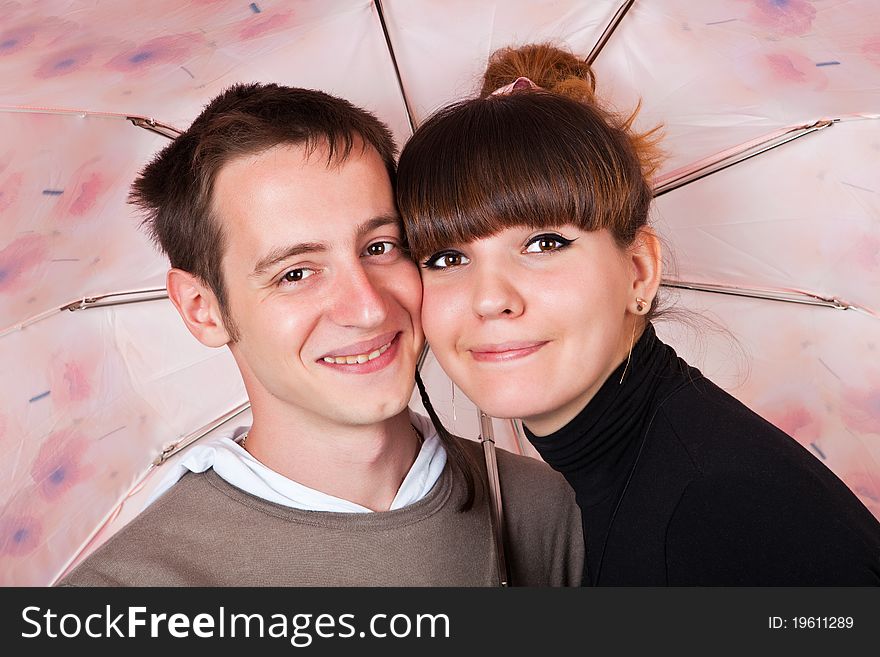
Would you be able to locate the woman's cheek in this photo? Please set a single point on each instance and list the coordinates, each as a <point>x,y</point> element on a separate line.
<point>441,314</point>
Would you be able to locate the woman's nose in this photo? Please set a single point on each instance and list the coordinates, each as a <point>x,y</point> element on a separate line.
<point>496,295</point>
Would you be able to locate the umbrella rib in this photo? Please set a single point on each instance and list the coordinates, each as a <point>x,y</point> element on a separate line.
<point>198,434</point>
<point>518,434</point>
<point>145,122</point>
<point>30,320</point>
<point>153,125</point>
<point>609,30</point>
<point>785,296</point>
<point>487,439</point>
<point>86,303</point>
<point>105,300</point>
<point>388,44</point>
<point>747,152</point>
<point>422,358</point>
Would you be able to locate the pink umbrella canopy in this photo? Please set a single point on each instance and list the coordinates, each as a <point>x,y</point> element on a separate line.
<point>768,200</point>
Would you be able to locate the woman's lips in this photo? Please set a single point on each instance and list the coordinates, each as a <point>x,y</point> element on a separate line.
<point>498,353</point>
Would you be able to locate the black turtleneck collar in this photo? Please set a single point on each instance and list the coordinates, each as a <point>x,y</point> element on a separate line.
<point>594,450</point>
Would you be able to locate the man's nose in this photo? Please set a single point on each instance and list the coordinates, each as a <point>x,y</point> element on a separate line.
<point>357,301</point>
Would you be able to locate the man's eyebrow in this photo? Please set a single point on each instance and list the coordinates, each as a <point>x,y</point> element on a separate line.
<point>377,222</point>
<point>282,253</point>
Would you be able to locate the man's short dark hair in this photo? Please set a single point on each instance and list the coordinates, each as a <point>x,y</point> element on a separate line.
<point>175,189</point>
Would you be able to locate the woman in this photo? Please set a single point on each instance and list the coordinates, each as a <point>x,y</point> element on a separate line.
<point>527,210</point>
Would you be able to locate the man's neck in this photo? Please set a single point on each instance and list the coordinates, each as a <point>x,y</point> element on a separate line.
<point>364,464</point>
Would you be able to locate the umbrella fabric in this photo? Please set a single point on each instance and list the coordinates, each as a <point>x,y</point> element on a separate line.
<point>777,235</point>
<point>90,401</point>
<point>95,395</point>
<point>167,58</point>
<point>67,231</point>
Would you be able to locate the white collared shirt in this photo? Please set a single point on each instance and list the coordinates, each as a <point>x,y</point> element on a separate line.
<point>237,467</point>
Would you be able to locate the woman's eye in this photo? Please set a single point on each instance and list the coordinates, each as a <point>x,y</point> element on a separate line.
<point>380,248</point>
<point>546,243</point>
<point>446,260</point>
<point>296,275</point>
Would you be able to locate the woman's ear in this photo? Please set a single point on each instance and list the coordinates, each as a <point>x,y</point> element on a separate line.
<point>198,306</point>
<point>646,256</point>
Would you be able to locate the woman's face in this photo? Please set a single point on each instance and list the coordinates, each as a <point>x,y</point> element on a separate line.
<point>529,323</point>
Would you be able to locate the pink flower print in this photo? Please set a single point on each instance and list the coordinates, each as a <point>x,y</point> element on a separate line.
<point>19,534</point>
<point>58,466</point>
<point>793,68</point>
<point>16,39</point>
<point>784,69</point>
<point>797,421</point>
<point>82,192</point>
<point>871,50</point>
<point>173,49</point>
<point>867,252</point>
<point>783,17</point>
<point>22,256</point>
<point>260,24</point>
<point>9,190</point>
<point>64,62</point>
<point>86,193</point>
<point>70,382</point>
<point>860,408</point>
<point>866,487</point>
<point>4,431</point>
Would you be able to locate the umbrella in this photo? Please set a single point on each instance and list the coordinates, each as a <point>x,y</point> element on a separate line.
<point>767,198</point>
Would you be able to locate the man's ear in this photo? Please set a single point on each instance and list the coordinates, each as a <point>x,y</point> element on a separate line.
<point>647,260</point>
<point>198,306</point>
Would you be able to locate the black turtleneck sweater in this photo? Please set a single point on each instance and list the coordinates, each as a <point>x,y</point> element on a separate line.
<point>680,484</point>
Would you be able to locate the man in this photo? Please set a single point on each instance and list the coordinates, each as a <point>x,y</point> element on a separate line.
<point>277,212</point>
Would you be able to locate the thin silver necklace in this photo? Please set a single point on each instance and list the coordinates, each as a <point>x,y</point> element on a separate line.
<point>417,433</point>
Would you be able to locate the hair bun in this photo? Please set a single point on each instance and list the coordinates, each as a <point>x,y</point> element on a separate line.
<point>547,66</point>
<point>563,73</point>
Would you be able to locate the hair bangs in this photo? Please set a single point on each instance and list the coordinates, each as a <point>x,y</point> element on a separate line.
<point>526,159</point>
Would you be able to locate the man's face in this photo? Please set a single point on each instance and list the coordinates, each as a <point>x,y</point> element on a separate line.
<point>325,300</point>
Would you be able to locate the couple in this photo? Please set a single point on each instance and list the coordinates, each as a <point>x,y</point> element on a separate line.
<point>525,213</point>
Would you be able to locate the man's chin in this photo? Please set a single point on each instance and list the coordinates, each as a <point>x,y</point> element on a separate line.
<point>358,413</point>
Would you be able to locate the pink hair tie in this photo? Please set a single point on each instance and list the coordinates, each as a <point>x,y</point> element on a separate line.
<point>516,85</point>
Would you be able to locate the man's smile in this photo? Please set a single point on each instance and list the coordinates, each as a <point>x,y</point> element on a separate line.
<point>364,357</point>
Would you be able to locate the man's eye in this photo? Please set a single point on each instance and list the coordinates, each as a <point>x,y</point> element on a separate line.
<point>380,248</point>
<point>547,242</point>
<point>445,260</point>
<point>296,275</point>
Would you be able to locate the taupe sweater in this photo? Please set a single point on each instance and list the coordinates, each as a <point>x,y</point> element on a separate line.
<point>206,532</point>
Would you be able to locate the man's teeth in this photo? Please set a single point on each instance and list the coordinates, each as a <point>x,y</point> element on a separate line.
<point>360,358</point>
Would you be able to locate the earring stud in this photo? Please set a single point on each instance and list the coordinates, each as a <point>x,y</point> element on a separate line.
<point>640,304</point>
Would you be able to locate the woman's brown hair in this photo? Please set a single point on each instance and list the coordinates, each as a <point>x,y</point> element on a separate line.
<point>531,157</point>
